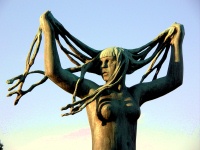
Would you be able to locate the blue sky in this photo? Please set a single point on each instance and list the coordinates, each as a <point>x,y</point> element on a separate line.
<point>170,122</point>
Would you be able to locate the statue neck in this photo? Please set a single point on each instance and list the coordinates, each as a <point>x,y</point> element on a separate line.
<point>120,86</point>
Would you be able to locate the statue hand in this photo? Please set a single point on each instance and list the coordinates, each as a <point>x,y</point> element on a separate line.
<point>179,33</point>
<point>48,16</point>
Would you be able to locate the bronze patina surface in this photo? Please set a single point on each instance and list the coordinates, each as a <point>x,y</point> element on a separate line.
<point>113,109</point>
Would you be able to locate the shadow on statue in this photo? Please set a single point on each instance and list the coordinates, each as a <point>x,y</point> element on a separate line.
<point>113,109</point>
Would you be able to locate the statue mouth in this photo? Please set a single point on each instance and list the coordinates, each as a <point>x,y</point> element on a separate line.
<point>104,73</point>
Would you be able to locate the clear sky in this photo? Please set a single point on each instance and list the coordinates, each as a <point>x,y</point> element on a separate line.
<point>168,123</point>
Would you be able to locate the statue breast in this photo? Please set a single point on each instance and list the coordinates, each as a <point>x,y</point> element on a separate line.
<point>111,106</point>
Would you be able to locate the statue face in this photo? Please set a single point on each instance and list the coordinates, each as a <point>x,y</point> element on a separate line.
<point>108,65</point>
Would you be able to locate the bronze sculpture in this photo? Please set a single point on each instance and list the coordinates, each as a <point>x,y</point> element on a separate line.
<point>113,109</point>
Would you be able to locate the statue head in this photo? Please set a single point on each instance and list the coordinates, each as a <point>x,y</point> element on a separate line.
<point>110,59</point>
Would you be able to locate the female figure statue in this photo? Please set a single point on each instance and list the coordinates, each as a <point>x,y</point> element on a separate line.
<point>112,109</point>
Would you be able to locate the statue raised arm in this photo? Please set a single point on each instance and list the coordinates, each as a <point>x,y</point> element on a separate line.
<point>113,108</point>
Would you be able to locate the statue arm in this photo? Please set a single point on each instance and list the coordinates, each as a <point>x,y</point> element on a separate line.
<point>53,70</point>
<point>174,78</point>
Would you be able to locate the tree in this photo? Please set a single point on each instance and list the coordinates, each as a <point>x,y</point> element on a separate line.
<point>1,146</point>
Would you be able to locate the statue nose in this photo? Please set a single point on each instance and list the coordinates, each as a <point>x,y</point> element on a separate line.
<point>104,65</point>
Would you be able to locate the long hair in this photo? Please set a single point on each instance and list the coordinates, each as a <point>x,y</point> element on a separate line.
<point>128,61</point>
<point>122,63</point>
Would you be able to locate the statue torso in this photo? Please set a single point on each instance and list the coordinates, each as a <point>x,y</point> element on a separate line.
<point>113,120</point>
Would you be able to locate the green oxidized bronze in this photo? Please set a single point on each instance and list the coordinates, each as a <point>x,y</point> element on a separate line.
<point>113,109</point>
